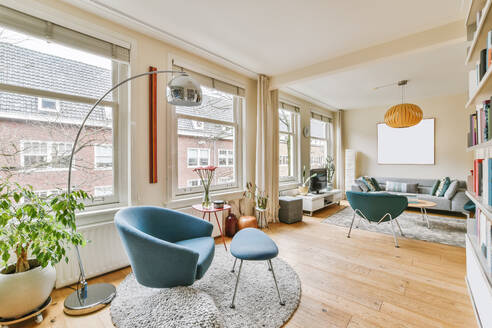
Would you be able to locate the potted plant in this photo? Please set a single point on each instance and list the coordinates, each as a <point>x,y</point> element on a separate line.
<point>330,172</point>
<point>37,232</point>
<point>304,187</point>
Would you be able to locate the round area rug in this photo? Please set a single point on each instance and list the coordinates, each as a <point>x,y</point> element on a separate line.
<point>206,303</point>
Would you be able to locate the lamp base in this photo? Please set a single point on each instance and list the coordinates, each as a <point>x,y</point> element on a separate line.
<point>98,296</point>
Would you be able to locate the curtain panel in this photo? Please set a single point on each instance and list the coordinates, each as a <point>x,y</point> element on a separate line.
<point>267,140</point>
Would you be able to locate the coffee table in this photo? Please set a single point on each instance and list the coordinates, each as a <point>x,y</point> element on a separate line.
<point>423,205</point>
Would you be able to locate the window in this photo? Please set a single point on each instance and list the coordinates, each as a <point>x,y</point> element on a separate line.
<point>320,141</point>
<point>208,135</point>
<point>226,157</point>
<point>288,149</point>
<point>103,156</point>
<point>37,133</point>
<point>43,155</point>
<point>198,157</point>
<point>194,182</point>
<point>102,191</point>
<point>49,105</point>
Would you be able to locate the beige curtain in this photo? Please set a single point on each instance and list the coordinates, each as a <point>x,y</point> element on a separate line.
<point>267,145</point>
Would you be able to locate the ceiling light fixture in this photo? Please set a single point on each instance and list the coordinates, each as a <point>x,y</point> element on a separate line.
<point>403,115</point>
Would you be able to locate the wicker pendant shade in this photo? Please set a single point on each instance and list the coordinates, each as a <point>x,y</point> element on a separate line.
<point>403,116</point>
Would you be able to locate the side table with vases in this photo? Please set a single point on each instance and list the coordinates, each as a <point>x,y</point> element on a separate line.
<point>208,211</point>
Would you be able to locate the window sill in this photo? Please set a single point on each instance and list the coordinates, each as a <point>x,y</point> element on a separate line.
<point>188,201</point>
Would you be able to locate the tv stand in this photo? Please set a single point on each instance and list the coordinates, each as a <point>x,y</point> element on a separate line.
<point>313,202</point>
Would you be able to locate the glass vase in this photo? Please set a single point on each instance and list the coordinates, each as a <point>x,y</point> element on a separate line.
<point>206,203</point>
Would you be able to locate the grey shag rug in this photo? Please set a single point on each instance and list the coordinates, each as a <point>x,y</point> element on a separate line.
<point>442,230</point>
<point>206,303</point>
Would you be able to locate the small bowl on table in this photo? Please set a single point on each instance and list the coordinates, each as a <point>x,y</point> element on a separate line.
<point>219,204</point>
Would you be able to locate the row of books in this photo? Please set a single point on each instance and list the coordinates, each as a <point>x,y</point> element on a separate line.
<point>482,65</point>
<point>480,125</point>
<point>481,233</point>
<point>482,179</point>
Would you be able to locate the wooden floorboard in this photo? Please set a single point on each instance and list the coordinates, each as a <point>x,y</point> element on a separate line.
<point>359,282</point>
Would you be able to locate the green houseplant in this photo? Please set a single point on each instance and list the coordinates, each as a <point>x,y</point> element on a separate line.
<point>37,232</point>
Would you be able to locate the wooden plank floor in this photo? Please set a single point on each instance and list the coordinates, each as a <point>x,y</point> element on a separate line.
<point>358,282</point>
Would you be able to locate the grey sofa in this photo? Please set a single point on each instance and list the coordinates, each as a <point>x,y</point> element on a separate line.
<point>452,203</point>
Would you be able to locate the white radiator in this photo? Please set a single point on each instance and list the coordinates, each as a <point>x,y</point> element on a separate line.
<point>103,253</point>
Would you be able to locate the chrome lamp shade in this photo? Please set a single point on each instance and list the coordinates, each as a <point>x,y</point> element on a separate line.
<point>183,90</point>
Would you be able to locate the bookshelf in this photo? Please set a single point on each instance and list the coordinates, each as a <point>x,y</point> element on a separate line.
<point>479,228</point>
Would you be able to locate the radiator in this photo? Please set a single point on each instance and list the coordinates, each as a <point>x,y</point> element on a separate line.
<point>103,253</point>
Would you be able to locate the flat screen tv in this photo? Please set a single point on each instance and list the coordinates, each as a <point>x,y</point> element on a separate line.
<point>318,182</point>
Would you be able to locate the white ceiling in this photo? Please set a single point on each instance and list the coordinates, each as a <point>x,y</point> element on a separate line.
<point>436,72</point>
<point>278,36</point>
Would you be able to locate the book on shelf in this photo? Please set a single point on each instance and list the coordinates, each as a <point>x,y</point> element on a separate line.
<point>489,49</point>
<point>480,124</point>
<point>477,173</point>
<point>483,63</point>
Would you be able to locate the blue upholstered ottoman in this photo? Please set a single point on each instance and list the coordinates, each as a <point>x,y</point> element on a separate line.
<point>251,244</point>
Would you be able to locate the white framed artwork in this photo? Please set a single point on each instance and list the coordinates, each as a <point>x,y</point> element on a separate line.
<point>413,145</point>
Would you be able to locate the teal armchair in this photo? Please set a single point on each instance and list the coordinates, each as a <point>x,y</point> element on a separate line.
<point>166,248</point>
<point>377,208</point>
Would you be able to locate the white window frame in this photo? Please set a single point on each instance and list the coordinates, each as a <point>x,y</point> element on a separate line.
<point>199,125</point>
<point>198,157</point>
<point>44,109</point>
<point>328,139</point>
<point>99,146</point>
<point>178,195</point>
<point>229,155</point>
<point>49,155</point>
<point>295,148</point>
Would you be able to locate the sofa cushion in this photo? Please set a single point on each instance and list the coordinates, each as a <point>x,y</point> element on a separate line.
<point>401,187</point>
<point>369,183</point>
<point>205,247</point>
<point>452,189</point>
<point>442,203</point>
<point>434,187</point>
<point>443,186</point>
<point>362,185</point>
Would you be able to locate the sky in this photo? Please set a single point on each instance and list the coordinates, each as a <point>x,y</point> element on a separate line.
<point>52,48</point>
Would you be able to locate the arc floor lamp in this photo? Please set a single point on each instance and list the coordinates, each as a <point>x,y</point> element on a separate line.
<point>182,90</point>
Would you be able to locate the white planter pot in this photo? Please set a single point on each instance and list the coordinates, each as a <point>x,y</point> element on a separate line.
<point>20,293</point>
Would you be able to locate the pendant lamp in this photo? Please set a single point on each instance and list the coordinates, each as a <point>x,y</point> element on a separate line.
<point>403,115</point>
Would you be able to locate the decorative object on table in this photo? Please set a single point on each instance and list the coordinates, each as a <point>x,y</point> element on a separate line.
<point>206,175</point>
<point>247,222</point>
<point>231,225</point>
<point>207,302</point>
<point>182,90</point>
<point>152,126</point>
<point>261,217</point>
<point>377,208</point>
<point>166,248</point>
<point>38,231</point>
<point>445,230</point>
<point>403,115</point>
<point>290,210</point>
<point>219,204</point>
<point>208,211</point>
<point>304,187</point>
<point>253,245</point>
<point>330,172</point>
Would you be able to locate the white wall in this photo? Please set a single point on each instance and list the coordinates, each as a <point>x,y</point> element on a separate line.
<point>451,157</point>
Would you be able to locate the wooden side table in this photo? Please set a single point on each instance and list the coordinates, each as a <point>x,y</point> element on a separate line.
<point>209,211</point>
<point>262,219</point>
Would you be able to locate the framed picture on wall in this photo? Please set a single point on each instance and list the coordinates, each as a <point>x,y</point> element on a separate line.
<point>413,145</point>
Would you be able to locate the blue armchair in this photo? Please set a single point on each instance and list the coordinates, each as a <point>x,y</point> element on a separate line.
<point>166,248</point>
<point>377,208</point>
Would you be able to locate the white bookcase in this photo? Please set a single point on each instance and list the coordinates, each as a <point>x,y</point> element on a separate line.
<point>478,238</point>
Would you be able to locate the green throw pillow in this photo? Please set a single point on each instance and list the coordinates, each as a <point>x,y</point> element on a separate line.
<point>376,184</point>
<point>368,182</point>
<point>443,186</point>
<point>434,187</point>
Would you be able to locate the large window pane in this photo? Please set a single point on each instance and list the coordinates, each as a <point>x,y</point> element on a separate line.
<point>215,105</point>
<point>212,145</point>
<point>37,133</point>
<point>286,156</point>
<point>285,121</point>
<point>318,153</point>
<point>318,129</point>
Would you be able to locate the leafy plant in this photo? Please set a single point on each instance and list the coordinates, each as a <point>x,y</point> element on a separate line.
<point>259,196</point>
<point>305,180</point>
<point>39,227</point>
<point>330,168</point>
